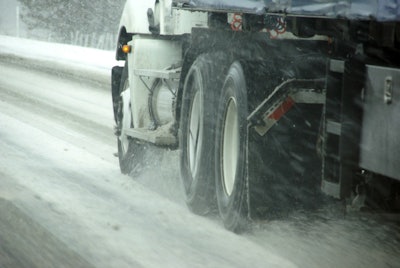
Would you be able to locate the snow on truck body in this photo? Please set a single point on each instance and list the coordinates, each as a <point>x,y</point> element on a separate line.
<point>250,90</point>
<point>381,10</point>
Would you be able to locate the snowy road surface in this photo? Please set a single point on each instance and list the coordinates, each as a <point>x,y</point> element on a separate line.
<point>64,203</point>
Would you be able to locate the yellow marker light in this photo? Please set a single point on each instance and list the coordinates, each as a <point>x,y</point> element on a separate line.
<point>126,49</point>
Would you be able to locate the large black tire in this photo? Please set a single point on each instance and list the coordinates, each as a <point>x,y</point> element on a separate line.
<point>129,149</point>
<point>231,150</point>
<point>196,136</point>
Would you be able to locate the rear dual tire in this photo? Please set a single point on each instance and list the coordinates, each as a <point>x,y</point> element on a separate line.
<point>266,183</point>
<point>213,135</point>
<point>197,135</point>
<point>231,150</point>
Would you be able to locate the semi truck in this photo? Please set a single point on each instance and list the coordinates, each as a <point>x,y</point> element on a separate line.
<point>269,102</point>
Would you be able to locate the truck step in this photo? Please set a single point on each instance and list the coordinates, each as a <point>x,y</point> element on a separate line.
<point>163,74</point>
<point>336,66</point>
<point>331,188</point>
<point>160,136</point>
<point>333,127</point>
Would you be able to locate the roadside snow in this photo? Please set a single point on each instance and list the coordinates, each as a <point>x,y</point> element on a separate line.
<point>80,59</point>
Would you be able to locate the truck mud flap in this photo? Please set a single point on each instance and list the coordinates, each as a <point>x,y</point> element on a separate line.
<point>283,166</point>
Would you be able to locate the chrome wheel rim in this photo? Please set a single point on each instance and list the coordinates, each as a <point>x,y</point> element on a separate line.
<point>195,137</point>
<point>230,146</point>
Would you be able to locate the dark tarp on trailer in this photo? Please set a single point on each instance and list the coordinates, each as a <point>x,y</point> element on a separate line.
<point>380,10</point>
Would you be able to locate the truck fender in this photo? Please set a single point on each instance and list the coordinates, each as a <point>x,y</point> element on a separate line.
<point>134,16</point>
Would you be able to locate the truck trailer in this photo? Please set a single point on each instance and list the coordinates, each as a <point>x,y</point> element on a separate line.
<point>269,102</point>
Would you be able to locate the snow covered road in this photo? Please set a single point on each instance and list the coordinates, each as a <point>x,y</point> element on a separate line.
<point>64,203</point>
<point>57,167</point>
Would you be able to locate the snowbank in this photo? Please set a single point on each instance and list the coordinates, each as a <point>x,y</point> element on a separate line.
<point>84,62</point>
